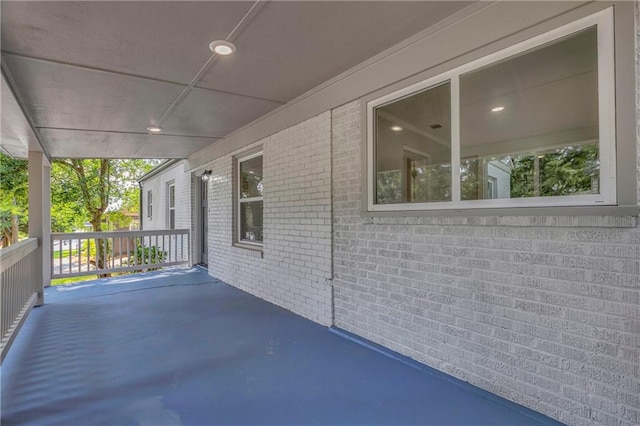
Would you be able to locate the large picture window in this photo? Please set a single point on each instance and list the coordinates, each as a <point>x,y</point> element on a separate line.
<point>532,125</point>
<point>250,193</point>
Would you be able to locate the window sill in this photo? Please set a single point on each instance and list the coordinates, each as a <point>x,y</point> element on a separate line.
<point>252,249</point>
<point>602,216</point>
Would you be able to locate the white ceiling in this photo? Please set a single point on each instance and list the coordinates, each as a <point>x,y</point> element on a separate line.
<point>92,76</point>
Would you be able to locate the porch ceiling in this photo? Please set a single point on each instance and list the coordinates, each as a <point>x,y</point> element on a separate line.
<point>92,76</point>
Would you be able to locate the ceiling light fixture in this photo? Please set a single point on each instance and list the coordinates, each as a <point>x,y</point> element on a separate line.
<point>497,109</point>
<point>396,128</point>
<point>222,47</point>
<point>154,129</point>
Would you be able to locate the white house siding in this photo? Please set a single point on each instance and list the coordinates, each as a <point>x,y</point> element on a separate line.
<point>540,310</point>
<point>295,267</point>
<point>158,184</point>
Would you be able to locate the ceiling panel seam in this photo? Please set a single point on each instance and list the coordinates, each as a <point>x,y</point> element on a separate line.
<point>125,74</point>
<point>251,13</point>
<point>69,129</point>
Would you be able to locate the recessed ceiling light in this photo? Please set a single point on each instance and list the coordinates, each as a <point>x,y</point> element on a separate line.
<point>396,128</point>
<point>497,109</point>
<point>222,47</point>
<point>154,129</point>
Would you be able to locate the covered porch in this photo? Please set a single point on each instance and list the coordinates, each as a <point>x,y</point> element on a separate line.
<point>178,347</point>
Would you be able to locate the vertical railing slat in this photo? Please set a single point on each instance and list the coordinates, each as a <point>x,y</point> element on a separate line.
<point>124,251</point>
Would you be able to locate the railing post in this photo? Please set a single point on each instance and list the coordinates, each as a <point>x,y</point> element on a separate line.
<point>40,219</point>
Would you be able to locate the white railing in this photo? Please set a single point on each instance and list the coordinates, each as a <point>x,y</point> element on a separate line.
<point>19,288</point>
<point>102,253</point>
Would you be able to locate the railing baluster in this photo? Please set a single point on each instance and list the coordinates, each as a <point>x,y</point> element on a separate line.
<point>139,254</point>
<point>18,287</point>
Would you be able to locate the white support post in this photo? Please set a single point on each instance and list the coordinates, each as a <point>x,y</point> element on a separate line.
<point>40,217</point>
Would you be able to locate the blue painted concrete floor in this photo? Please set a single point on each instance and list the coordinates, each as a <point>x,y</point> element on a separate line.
<point>180,348</point>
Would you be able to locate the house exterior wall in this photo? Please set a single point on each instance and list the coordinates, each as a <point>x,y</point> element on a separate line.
<point>159,220</point>
<point>158,185</point>
<point>294,268</point>
<point>542,310</point>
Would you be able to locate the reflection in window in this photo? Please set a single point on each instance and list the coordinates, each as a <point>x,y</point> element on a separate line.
<point>530,123</point>
<point>413,148</point>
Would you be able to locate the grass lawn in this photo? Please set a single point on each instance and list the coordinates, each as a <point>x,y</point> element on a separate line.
<point>61,281</point>
<point>65,253</point>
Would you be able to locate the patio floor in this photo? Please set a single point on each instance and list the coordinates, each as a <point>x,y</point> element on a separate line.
<point>180,348</point>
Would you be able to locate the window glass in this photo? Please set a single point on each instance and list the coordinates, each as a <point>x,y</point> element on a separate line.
<point>251,178</point>
<point>172,219</point>
<point>529,123</point>
<point>251,221</point>
<point>413,148</point>
<point>529,126</point>
<point>250,196</point>
<point>172,196</point>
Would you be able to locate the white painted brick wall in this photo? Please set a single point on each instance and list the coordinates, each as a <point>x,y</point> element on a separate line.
<point>543,311</point>
<point>296,268</point>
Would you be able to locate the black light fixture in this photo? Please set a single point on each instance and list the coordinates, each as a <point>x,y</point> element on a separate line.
<point>206,176</point>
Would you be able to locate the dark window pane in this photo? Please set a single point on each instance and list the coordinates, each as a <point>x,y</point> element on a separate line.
<point>251,221</point>
<point>529,124</point>
<point>172,219</point>
<point>251,178</point>
<point>413,148</point>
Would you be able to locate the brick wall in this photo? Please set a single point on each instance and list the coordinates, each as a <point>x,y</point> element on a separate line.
<point>541,310</point>
<point>295,268</point>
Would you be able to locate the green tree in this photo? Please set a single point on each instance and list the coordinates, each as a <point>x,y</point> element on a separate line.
<point>96,186</point>
<point>14,199</point>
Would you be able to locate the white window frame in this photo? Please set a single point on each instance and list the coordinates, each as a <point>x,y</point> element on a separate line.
<point>241,200</point>
<point>171,208</point>
<point>603,20</point>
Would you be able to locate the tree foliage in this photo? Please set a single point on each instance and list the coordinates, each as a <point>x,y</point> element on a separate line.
<point>96,186</point>
<point>566,171</point>
<point>86,190</point>
<point>13,198</point>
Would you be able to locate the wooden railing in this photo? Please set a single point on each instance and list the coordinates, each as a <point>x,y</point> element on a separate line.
<point>102,253</point>
<point>19,287</point>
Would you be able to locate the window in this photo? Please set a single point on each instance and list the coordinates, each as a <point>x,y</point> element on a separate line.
<point>531,125</point>
<point>149,204</point>
<point>172,206</point>
<point>250,193</point>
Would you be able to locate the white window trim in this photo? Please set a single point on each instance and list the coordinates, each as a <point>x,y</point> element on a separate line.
<point>606,114</point>
<point>240,200</point>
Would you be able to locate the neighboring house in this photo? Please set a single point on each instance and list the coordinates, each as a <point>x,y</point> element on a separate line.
<point>165,194</point>
<point>471,202</point>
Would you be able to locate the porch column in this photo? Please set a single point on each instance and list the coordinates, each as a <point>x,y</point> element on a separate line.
<point>40,217</point>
